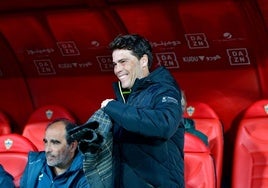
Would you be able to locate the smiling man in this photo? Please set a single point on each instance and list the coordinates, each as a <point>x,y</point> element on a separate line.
<point>148,136</point>
<point>60,165</point>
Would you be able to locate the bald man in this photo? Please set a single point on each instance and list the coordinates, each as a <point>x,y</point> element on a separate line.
<point>60,165</point>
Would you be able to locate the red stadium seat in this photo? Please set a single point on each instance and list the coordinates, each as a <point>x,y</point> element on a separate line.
<point>14,150</point>
<point>250,162</point>
<point>34,129</point>
<point>199,166</point>
<point>5,127</point>
<point>207,121</point>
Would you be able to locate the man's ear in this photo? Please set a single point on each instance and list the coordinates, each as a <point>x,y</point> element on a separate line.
<point>144,60</point>
<point>74,145</point>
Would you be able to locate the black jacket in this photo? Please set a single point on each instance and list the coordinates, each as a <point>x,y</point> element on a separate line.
<point>148,138</point>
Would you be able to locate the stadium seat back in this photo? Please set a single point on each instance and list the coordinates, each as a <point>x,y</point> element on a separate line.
<point>39,119</point>
<point>14,142</point>
<point>14,149</point>
<point>208,122</point>
<point>250,161</point>
<point>199,167</point>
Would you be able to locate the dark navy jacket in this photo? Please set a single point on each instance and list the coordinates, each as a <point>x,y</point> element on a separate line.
<point>74,177</point>
<point>148,136</point>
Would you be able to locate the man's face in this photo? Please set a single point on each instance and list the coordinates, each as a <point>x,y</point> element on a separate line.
<point>128,67</point>
<point>58,153</point>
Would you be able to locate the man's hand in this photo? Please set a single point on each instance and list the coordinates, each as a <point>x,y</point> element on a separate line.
<point>105,102</point>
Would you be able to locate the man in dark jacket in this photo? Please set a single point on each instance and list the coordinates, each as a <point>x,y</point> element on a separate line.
<point>148,136</point>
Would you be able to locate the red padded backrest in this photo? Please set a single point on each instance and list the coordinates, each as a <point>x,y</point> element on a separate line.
<point>14,164</point>
<point>14,150</point>
<point>200,110</point>
<point>259,109</point>
<point>199,166</point>
<point>207,121</point>
<point>5,127</point>
<point>15,143</point>
<point>250,165</point>
<point>39,119</point>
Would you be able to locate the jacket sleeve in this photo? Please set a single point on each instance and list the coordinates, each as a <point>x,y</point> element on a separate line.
<point>158,119</point>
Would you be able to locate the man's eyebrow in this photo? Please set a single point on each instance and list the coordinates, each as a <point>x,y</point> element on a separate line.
<point>122,60</point>
<point>55,141</point>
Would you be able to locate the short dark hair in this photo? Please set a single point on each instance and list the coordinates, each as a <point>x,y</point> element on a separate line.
<point>136,43</point>
<point>68,126</point>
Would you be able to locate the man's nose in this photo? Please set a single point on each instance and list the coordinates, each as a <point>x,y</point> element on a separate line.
<point>47,147</point>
